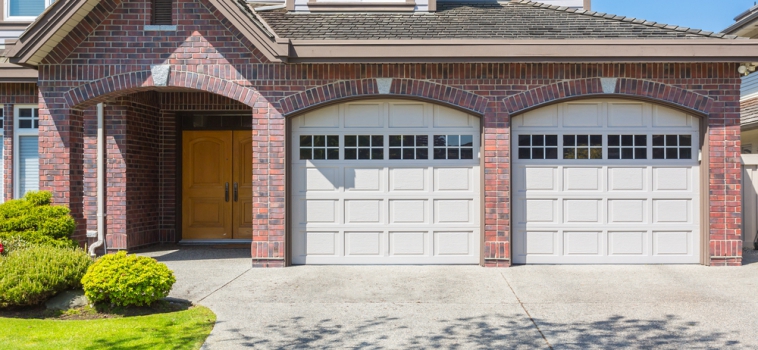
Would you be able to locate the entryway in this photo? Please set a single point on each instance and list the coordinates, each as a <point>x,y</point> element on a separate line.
<point>217,174</point>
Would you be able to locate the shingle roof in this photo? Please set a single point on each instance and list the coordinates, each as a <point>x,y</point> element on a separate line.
<point>520,19</point>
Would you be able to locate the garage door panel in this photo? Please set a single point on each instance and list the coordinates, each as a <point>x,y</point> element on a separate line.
<point>543,117</point>
<point>625,115</point>
<point>540,178</point>
<point>321,243</point>
<point>637,210</point>
<point>672,243</point>
<point>627,179</point>
<point>540,243</point>
<point>327,117</point>
<point>672,179</point>
<point>453,179</point>
<point>450,118</point>
<point>582,243</point>
<point>364,211</point>
<point>364,179</point>
<point>582,211</point>
<point>319,211</point>
<point>409,211</point>
<point>318,179</point>
<point>582,115</point>
<point>627,243</point>
<point>664,117</point>
<point>624,211</point>
<point>408,115</point>
<point>672,211</point>
<point>539,211</point>
<point>364,115</point>
<point>364,243</point>
<point>582,179</point>
<point>453,243</point>
<point>453,211</point>
<point>409,179</point>
<point>409,244</point>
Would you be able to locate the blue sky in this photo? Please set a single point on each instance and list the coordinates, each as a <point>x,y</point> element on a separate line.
<point>711,15</point>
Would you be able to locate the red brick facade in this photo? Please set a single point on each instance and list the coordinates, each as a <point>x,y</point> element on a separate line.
<point>108,58</point>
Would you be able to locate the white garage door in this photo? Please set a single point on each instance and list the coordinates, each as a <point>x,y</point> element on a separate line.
<point>385,182</point>
<point>605,182</point>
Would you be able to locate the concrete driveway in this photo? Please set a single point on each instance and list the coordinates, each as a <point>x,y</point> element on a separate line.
<point>525,307</point>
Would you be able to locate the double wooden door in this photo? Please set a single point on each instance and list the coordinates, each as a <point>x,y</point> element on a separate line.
<point>217,185</point>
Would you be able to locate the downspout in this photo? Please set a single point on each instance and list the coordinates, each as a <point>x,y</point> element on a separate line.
<point>100,182</point>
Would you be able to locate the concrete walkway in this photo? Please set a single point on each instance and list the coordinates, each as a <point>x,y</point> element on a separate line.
<point>454,307</point>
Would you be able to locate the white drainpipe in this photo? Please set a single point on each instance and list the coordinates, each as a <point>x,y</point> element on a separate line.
<point>100,182</point>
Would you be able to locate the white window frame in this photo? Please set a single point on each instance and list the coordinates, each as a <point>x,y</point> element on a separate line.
<point>17,134</point>
<point>9,18</point>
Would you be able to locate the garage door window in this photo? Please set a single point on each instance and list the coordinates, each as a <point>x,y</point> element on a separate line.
<point>319,147</point>
<point>582,147</point>
<point>453,147</point>
<point>672,146</point>
<point>409,146</point>
<point>627,146</point>
<point>538,147</point>
<point>364,147</point>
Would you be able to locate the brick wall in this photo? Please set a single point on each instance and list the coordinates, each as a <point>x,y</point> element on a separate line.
<point>11,95</point>
<point>109,56</point>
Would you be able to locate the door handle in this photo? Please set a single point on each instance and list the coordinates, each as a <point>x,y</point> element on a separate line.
<point>226,192</point>
<point>236,192</point>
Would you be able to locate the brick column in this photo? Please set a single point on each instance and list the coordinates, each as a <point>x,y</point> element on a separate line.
<point>497,198</point>
<point>268,190</point>
<point>8,153</point>
<point>61,155</point>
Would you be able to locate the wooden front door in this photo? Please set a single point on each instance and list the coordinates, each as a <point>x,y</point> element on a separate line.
<point>217,185</point>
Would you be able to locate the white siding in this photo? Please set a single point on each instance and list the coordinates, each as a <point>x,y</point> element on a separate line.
<point>750,86</point>
<point>28,164</point>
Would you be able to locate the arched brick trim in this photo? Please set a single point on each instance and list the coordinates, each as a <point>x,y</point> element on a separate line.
<point>624,87</point>
<point>128,83</point>
<point>403,88</point>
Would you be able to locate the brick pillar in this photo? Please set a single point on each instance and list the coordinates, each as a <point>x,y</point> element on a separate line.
<point>268,190</point>
<point>497,212</point>
<point>61,156</point>
<point>115,174</point>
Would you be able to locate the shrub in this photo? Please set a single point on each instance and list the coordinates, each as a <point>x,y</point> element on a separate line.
<point>32,275</point>
<point>33,220</point>
<point>125,280</point>
<point>12,244</point>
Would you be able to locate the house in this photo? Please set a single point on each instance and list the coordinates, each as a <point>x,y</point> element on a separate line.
<point>392,132</point>
<point>746,25</point>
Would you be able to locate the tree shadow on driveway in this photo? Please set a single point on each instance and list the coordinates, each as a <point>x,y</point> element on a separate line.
<point>495,331</point>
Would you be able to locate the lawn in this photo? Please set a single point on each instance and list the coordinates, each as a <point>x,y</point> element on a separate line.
<point>185,329</point>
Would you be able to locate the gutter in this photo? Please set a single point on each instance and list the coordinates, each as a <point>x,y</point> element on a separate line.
<point>100,182</point>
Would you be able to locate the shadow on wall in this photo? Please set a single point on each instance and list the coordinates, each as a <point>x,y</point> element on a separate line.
<point>486,332</point>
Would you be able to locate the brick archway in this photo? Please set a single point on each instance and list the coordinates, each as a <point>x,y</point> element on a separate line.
<point>609,87</point>
<point>369,88</point>
<point>128,83</point>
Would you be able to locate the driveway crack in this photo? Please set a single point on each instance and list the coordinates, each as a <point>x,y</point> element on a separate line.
<point>222,287</point>
<point>526,311</point>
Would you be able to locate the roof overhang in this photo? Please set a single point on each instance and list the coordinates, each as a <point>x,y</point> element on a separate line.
<point>746,24</point>
<point>658,50</point>
<point>48,30</point>
<point>11,73</point>
<point>63,16</point>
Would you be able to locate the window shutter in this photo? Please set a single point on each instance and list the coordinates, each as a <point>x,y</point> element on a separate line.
<point>163,12</point>
<point>28,164</point>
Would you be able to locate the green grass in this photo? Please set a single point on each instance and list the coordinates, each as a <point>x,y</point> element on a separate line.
<point>176,330</point>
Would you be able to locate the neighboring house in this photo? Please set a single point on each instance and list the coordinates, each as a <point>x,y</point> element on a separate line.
<point>392,132</point>
<point>746,25</point>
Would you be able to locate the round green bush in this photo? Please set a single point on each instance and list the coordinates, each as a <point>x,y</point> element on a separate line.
<point>33,274</point>
<point>126,280</point>
<point>34,220</point>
